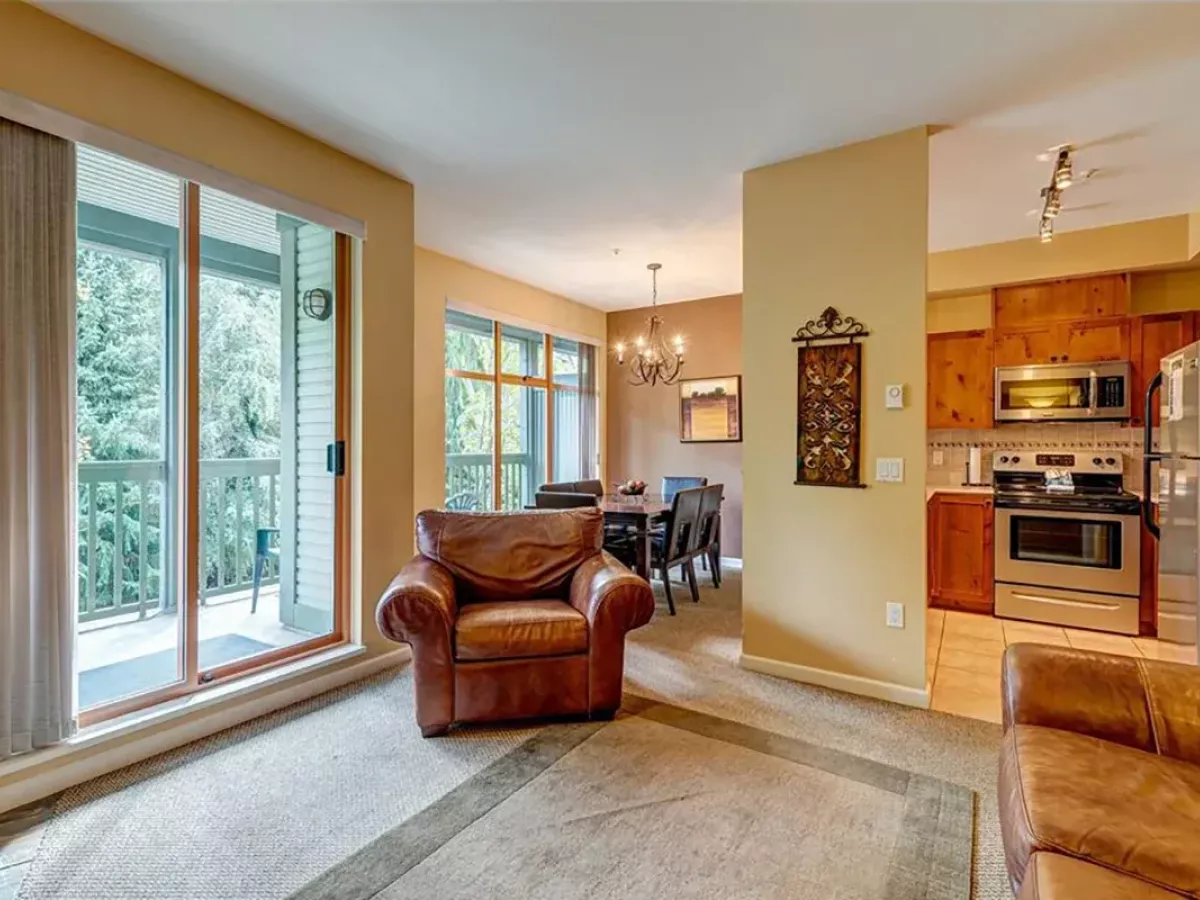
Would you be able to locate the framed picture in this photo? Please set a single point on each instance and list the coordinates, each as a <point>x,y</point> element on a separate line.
<point>710,409</point>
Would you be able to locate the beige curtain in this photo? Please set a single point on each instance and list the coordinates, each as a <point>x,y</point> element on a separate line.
<point>588,444</point>
<point>37,437</point>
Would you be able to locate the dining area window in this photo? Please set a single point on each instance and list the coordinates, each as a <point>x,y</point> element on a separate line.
<point>521,408</point>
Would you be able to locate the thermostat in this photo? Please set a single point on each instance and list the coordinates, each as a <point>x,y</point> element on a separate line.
<point>894,396</point>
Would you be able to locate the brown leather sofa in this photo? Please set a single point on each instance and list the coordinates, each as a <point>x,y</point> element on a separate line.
<point>513,616</point>
<point>1100,775</point>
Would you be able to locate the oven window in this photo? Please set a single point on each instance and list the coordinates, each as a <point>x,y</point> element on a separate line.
<point>1047,393</point>
<point>1067,542</point>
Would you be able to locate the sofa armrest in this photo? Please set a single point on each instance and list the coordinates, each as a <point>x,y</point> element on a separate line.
<point>1096,694</point>
<point>419,603</point>
<point>615,601</point>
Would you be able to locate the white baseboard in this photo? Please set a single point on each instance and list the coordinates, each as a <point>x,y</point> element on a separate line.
<point>74,764</point>
<point>731,562</point>
<point>851,684</point>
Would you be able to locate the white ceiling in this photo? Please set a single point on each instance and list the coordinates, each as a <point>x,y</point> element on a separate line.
<point>540,136</point>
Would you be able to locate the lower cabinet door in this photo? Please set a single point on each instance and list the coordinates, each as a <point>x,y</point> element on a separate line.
<point>961,562</point>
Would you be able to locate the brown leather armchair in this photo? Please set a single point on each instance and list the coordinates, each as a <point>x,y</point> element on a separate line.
<point>513,616</point>
<point>1099,775</point>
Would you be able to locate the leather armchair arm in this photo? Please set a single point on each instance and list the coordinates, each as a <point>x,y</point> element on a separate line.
<point>615,601</point>
<point>1097,694</point>
<point>610,595</point>
<point>419,603</point>
<point>419,608</point>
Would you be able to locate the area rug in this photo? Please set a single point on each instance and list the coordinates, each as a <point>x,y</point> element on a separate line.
<point>672,803</point>
<point>130,676</point>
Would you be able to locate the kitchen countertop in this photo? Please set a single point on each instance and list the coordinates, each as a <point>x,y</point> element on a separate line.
<point>931,489</point>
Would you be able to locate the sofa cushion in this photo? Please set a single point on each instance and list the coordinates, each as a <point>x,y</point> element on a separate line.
<point>1123,808</point>
<point>1051,876</point>
<point>514,629</point>
<point>510,556</point>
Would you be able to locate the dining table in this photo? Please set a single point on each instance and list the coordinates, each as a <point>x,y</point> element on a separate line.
<point>638,515</point>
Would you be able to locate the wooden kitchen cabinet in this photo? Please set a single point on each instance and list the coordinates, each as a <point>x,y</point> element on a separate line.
<point>959,379</point>
<point>961,562</point>
<point>1151,338</point>
<point>1068,300</point>
<point>1094,340</point>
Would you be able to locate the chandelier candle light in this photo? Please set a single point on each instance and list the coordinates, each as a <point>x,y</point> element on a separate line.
<point>654,360</point>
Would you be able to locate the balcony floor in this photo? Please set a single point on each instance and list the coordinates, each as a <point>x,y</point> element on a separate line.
<point>145,647</point>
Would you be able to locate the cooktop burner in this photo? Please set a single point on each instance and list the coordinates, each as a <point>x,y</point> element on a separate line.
<point>1086,482</point>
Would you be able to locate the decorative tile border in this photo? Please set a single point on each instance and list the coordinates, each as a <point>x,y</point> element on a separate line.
<point>931,861</point>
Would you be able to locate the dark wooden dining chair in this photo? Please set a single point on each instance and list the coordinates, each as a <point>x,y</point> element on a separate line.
<point>556,500</point>
<point>708,531</point>
<point>676,546</point>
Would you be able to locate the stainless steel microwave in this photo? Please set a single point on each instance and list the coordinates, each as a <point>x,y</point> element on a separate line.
<point>1065,392</point>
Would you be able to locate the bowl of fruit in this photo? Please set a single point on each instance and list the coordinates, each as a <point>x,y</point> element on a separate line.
<point>631,488</point>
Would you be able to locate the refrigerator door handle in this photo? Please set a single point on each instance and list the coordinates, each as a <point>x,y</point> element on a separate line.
<point>1093,389</point>
<point>1149,456</point>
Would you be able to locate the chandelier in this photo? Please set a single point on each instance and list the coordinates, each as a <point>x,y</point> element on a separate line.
<point>653,359</point>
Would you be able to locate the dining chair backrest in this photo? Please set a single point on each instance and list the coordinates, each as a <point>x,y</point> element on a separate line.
<point>673,483</point>
<point>593,486</point>
<point>558,487</point>
<point>710,515</point>
<point>685,519</point>
<point>554,500</point>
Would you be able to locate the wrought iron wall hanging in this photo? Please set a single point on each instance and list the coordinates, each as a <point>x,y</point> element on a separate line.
<point>829,400</point>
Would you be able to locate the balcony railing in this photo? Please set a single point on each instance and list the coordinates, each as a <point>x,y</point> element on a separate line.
<point>469,480</point>
<point>121,505</point>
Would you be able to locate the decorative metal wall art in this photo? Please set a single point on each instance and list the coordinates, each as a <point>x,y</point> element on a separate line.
<point>829,400</point>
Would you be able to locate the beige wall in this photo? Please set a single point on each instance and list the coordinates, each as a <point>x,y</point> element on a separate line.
<point>1116,248</point>
<point>52,63</point>
<point>1150,292</point>
<point>643,421</point>
<point>846,227</point>
<point>441,279</point>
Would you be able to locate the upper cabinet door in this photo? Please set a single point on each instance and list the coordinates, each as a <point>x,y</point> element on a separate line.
<point>1152,338</point>
<point>1095,341</point>
<point>1031,346</point>
<point>960,379</point>
<point>1068,300</point>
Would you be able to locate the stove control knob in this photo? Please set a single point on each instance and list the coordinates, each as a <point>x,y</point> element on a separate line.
<point>1097,461</point>
<point>1016,459</point>
<point>1110,461</point>
<point>1004,459</point>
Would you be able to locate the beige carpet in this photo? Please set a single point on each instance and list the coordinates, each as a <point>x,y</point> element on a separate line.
<point>262,810</point>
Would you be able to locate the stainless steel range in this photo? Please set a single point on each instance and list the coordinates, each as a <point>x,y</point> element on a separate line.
<point>1068,540</point>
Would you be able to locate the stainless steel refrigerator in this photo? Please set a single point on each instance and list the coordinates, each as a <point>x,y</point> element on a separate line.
<point>1173,489</point>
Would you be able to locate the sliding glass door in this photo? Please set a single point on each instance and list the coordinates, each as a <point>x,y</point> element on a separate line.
<point>211,376</point>
<point>520,404</point>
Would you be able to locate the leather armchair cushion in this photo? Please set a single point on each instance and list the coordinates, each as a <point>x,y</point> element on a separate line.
<point>1121,808</point>
<point>1054,877</point>
<point>506,556</point>
<point>515,629</point>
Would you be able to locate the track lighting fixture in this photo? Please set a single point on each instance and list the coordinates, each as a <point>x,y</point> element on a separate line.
<point>1061,178</point>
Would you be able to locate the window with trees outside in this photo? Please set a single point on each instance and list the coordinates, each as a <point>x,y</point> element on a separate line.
<point>210,418</point>
<point>520,411</point>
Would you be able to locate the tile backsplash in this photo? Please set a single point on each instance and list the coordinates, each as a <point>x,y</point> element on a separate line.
<point>954,443</point>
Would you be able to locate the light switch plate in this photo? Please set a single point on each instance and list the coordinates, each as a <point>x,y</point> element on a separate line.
<point>895,615</point>
<point>889,469</point>
<point>894,396</point>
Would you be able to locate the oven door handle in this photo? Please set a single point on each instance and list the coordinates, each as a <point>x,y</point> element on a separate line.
<point>1149,456</point>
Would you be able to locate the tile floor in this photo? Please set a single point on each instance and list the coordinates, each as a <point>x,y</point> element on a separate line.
<point>963,651</point>
<point>20,834</point>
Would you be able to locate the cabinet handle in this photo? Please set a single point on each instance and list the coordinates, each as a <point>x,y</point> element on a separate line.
<point>1065,358</point>
<point>1054,359</point>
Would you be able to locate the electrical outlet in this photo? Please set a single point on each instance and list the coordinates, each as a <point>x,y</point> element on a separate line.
<point>939,457</point>
<point>895,615</point>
